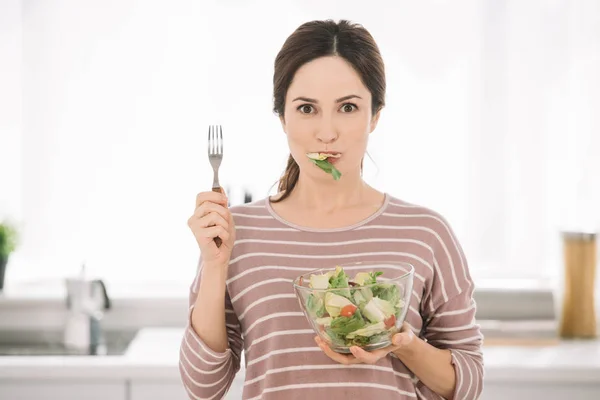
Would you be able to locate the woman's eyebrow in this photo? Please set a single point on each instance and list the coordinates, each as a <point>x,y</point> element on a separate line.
<point>350,96</point>
<point>309,100</point>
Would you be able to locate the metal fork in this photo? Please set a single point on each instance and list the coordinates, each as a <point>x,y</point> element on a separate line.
<point>215,156</point>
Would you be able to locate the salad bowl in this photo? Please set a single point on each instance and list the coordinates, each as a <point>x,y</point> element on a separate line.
<point>356,304</point>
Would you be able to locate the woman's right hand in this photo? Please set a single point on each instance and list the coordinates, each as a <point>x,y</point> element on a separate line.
<point>212,218</point>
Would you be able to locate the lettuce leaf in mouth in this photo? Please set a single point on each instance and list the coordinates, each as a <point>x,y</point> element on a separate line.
<point>327,167</point>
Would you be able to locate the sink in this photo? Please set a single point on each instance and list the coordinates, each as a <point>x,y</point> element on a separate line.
<point>49,343</point>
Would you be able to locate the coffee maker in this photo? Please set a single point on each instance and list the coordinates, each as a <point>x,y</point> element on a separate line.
<point>87,301</point>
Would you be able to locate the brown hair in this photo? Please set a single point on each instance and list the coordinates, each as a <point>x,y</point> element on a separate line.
<point>317,39</point>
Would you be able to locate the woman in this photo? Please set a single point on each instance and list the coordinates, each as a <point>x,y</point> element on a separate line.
<point>329,88</point>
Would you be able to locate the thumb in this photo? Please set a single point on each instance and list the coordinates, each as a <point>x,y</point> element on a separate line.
<point>398,339</point>
<point>225,194</point>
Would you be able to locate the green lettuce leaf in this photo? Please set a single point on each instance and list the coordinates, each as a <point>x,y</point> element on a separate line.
<point>387,291</point>
<point>345,325</point>
<point>328,168</point>
<point>339,280</point>
<point>315,306</point>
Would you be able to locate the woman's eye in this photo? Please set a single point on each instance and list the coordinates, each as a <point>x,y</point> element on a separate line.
<point>348,107</point>
<point>305,109</point>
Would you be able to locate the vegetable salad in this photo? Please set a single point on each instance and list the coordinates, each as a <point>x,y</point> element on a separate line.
<point>354,314</point>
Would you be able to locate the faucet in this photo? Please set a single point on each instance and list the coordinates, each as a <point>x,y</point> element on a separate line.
<point>87,301</point>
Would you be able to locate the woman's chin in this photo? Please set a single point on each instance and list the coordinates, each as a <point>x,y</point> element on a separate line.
<point>322,176</point>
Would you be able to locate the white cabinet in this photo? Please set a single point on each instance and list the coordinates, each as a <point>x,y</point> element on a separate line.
<point>546,391</point>
<point>35,389</point>
<point>142,390</point>
<point>173,390</point>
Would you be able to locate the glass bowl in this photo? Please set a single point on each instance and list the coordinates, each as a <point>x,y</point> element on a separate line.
<point>356,304</point>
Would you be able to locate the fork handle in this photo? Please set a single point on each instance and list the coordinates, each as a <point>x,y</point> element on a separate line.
<point>218,240</point>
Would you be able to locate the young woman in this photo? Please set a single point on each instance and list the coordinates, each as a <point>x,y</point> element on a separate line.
<point>329,88</point>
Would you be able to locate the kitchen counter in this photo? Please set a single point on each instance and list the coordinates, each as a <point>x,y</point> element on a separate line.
<point>148,370</point>
<point>154,354</point>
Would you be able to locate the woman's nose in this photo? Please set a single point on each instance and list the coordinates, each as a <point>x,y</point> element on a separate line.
<point>327,133</point>
<point>327,138</point>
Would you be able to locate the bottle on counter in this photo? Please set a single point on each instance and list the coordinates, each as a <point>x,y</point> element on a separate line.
<point>578,315</point>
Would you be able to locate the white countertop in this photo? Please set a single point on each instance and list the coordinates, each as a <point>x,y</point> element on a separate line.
<point>567,361</point>
<point>154,354</point>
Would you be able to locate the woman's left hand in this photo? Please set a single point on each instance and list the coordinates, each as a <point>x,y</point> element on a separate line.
<point>400,341</point>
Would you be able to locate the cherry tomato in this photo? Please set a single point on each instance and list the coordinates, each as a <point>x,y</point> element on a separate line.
<point>389,322</point>
<point>348,311</point>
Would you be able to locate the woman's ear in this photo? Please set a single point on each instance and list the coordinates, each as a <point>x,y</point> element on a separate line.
<point>374,121</point>
<point>282,120</point>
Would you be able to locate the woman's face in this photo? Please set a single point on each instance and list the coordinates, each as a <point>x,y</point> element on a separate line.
<point>328,109</point>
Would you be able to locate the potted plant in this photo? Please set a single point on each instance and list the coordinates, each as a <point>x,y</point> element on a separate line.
<point>8,243</point>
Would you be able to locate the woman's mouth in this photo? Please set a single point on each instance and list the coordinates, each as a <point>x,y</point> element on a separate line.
<point>329,156</point>
<point>333,159</point>
<point>325,161</point>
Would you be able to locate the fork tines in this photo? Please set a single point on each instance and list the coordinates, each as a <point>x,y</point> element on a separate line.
<point>215,139</point>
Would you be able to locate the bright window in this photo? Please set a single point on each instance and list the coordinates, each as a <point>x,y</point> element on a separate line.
<point>491,119</point>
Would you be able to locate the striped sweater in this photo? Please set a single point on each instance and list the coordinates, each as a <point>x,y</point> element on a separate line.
<point>265,322</point>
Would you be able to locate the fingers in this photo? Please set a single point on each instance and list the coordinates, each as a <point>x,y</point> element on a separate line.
<point>208,233</point>
<point>213,197</point>
<point>345,359</point>
<point>211,219</point>
<point>210,225</point>
<point>404,338</point>
<point>214,231</point>
<point>367,357</point>
<point>209,207</point>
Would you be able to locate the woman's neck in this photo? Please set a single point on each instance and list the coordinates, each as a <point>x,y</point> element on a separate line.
<point>328,197</point>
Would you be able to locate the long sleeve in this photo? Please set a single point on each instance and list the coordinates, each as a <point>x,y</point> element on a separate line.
<point>207,374</point>
<point>449,316</point>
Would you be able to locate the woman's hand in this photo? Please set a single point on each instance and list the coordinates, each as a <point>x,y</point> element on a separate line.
<point>212,218</point>
<point>401,341</point>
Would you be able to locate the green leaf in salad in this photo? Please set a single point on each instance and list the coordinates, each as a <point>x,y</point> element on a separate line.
<point>334,337</point>
<point>385,306</point>
<point>339,280</point>
<point>366,340</point>
<point>359,341</point>
<point>387,291</point>
<point>315,306</point>
<point>391,294</point>
<point>368,330</point>
<point>359,298</point>
<point>366,278</point>
<point>345,325</point>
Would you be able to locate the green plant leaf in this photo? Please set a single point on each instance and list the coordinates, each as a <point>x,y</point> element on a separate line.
<point>8,239</point>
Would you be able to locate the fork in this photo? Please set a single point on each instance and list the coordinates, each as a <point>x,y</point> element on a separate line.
<point>215,156</point>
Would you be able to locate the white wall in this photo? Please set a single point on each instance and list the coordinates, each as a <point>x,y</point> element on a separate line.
<point>491,110</point>
<point>10,110</point>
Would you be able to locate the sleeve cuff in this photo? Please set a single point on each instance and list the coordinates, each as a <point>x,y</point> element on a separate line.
<point>197,345</point>
<point>467,379</point>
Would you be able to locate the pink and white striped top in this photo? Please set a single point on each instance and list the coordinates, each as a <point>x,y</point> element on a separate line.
<point>265,321</point>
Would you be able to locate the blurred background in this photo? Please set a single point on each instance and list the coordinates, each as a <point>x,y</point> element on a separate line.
<point>492,119</point>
